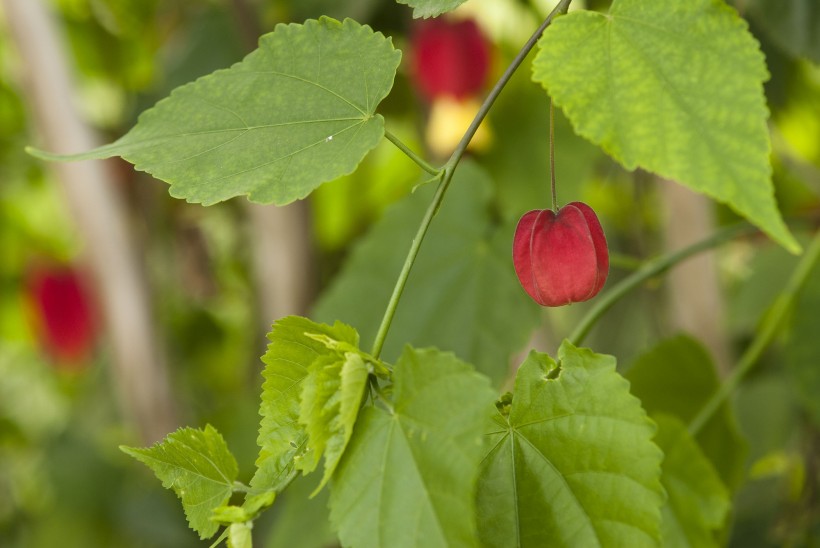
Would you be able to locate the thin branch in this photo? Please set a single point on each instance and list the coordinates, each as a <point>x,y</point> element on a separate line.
<point>650,270</point>
<point>774,319</point>
<point>410,154</point>
<point>449,169</point>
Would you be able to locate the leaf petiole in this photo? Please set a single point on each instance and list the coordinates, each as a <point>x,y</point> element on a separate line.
<point>412,155</point>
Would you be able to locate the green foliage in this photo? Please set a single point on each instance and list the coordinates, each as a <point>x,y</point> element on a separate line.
<point>431,8</point>
<point>409,473</point>
<point>331,397</point>
<point>462,295</point>
<point>572,462</point>
<point>675,88</point>
<point>297,112</point>
<point>198,466</point>
<point>697,502</point>
<point>282,439</point>
<point>802,354</point>
<point>677,377</point>
<point>793,24</point>
<point>239,535</point>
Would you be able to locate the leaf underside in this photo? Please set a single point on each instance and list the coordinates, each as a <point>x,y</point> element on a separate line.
<point>675,88</point>
<point>407,478</point>
<point>200,469</point>
<point>431,8</point>
<point>573,463</point>
<point>297,112</point>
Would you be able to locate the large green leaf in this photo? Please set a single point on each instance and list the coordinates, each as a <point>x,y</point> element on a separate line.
<point>462,293</point>
<point>675,88</point>
<point>802,354</point>
<point>408,475</point>
<point>292,350</point>
<point>331,397</point>
<point>198,466</point>
<point>697,502</point>
<point>573,463</point>
<point>792,24</point>
<point>297,112</point>
<point>677,377</point>
<point>431,8</point>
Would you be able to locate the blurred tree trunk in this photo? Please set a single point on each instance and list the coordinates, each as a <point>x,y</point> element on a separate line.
<point>139,373</point>
<point>697,304</point>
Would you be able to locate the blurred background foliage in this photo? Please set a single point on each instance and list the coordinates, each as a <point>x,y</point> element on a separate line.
<point>62,480</point>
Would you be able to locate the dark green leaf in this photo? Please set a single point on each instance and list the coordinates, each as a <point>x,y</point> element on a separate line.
<point>200,469</point>
<point>677,377</point>
<point>293,348</point>
<point>297,112</point>
<point>675,88</point>
<point>697,502</point>
<point>573,464</point>
<point>802,354</point>
<point>462,293</point>
<point>408,475</point>
<point>794,25</point>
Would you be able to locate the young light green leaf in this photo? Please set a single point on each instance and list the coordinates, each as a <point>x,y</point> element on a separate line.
<point>295,113</point>
<point>573,464</point>
<point>331,396</point>
<point>675,88</point>
<point>200,469</point>
<point>408,475</point>
<point>293,348</point>
<point>677,377</point>
<point>251,508</point>
<point>462,293</point>
<point>697,502</point>
<point>431,8</point>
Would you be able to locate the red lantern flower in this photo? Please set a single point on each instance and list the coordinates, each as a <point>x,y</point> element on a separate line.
<point>561,258</point>
<point>63,314</point>
<point>450,58</point>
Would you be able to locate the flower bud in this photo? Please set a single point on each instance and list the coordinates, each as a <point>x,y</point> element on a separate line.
<point>561,258</point>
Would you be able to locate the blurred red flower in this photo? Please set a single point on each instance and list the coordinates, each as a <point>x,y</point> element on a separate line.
<point>449,58</point>
<point>63,313</point>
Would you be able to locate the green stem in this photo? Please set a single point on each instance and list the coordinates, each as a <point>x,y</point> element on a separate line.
<point>449,169</point>
<point>765,335</point>
<point>560,9</point>
<point>650,269</point>
<point>410,154</point>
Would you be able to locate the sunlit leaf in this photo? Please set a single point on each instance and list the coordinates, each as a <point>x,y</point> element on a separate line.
<point>297,112</point>
<point>697,502</point>
<point>572,463</point>
<point>290,353</point>
<point>200,469</point>
<point>462,293</point>
<point>675,88</point>
<point>408,476</point>
<point>677,377</point>
<point>431,8</point>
